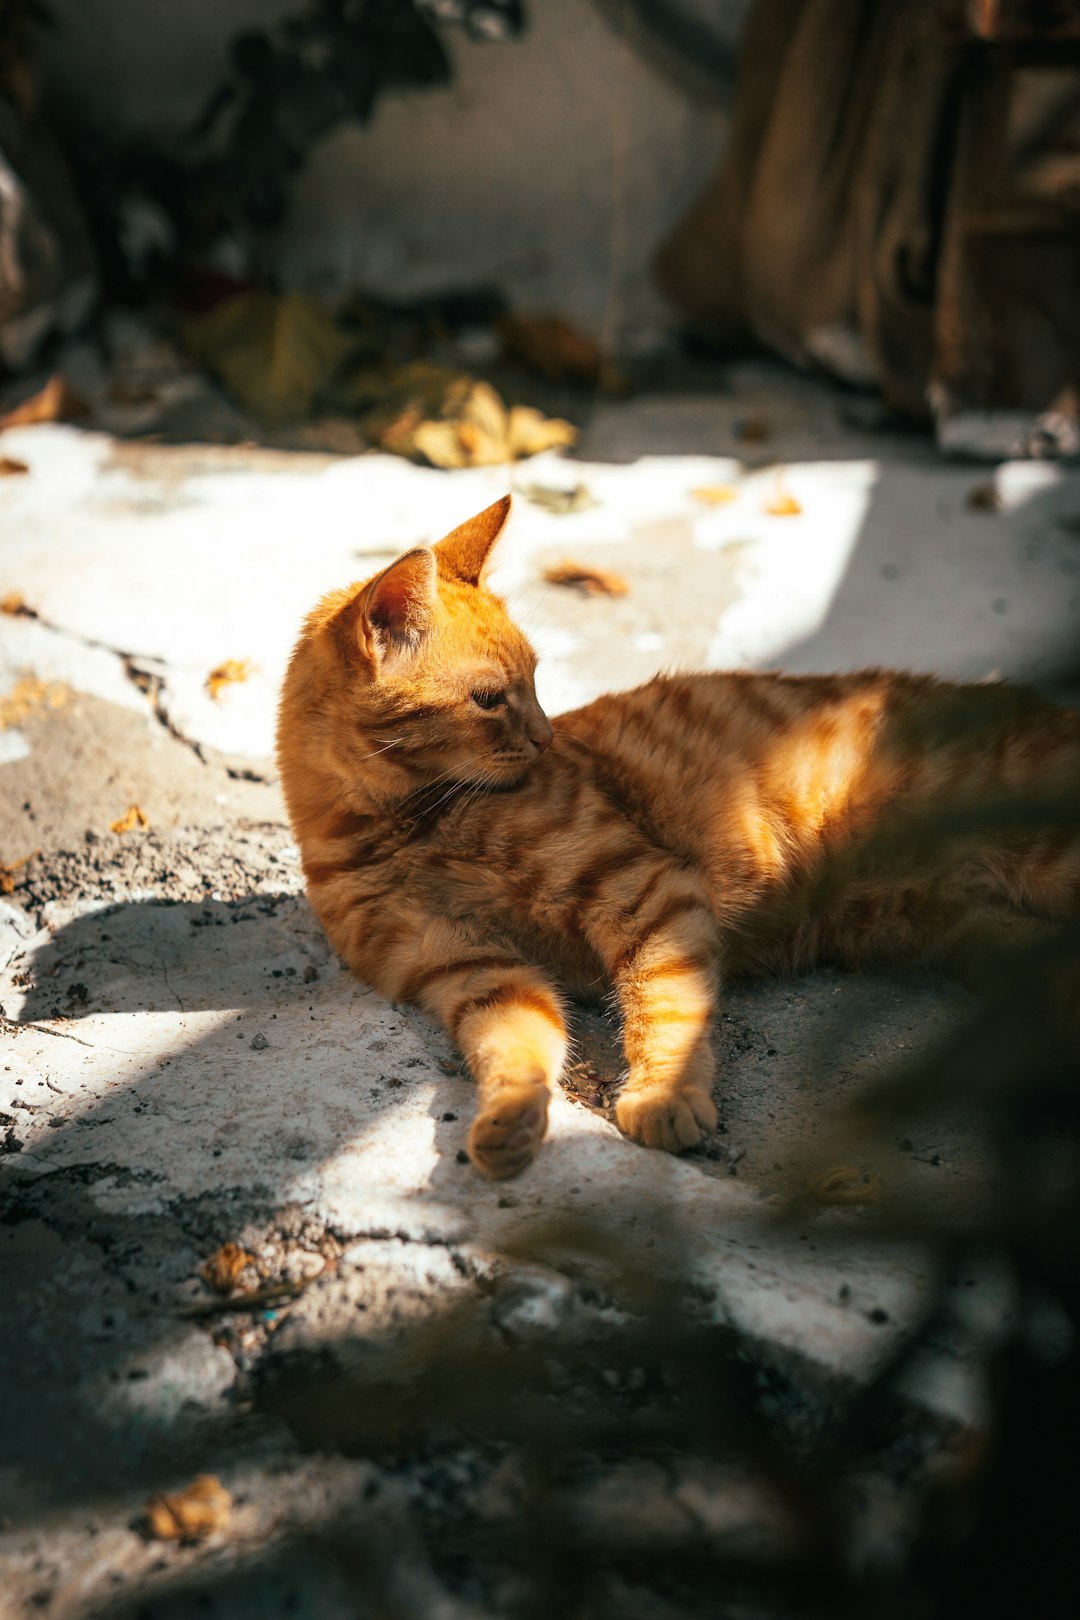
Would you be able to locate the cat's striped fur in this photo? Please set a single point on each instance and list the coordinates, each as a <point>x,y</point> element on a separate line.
<point>464,854</point>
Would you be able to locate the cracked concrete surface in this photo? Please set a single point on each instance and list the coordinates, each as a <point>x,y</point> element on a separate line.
<point>185,1063</point>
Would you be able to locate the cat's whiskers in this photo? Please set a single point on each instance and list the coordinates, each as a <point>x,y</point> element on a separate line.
<point>393,743</point>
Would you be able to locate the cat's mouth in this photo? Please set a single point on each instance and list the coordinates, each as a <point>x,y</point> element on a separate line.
<point>511,768</point>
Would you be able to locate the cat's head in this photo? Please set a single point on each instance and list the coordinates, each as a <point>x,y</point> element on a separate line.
<point>419,675</point>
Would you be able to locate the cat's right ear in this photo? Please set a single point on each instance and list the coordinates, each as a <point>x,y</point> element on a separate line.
<point>395,609</point>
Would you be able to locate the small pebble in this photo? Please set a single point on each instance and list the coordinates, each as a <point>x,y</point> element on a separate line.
<point>259,1042</point>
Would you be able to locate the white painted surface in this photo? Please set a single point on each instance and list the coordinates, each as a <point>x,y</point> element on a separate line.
<point>183,564</point>
<point>551,167</point>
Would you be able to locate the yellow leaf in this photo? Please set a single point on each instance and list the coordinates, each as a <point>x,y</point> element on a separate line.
<point>204,1507</point>
<point>716,494</point>
<point>28,696</point>
<point>7,873</point>
<point>224,1268</point>
<point>229,673</point>
<point>844,1184</point>
<point>274,352</point>
<point>133,817</point>
<point>781,503</point>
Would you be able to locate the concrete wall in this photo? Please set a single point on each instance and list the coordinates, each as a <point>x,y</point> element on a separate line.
<point>551,167</point>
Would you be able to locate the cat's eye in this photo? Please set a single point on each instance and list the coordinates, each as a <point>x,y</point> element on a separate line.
<point>489,700</point>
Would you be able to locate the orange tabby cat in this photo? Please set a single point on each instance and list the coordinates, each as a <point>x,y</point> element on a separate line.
<point>464,853</point>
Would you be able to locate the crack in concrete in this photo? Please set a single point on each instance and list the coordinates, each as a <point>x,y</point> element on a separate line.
<point>146,679</point>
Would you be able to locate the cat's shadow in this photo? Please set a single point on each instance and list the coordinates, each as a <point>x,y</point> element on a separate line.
<point>205,1044</point>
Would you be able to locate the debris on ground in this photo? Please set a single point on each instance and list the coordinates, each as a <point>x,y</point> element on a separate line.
<point>274,352</point>
<point>754,429</point>
<point>224,1268</point>
<point>845,1184</point>
<point>558,352</point>
<point>984,497</point>
<point>588,580</point>
<point>716,494</point>
<point>782,503</point>
<point>451,419</point>
<point>203,1509</point>
<point>561,502</point>
<point>230,673</point>
<point>7,872</point>
<point>55,402</point>
<point>132,818</point>
<point>31,696</point>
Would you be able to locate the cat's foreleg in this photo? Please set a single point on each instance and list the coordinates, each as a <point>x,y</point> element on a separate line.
<point>665,981</point>
<point>507,1021</point>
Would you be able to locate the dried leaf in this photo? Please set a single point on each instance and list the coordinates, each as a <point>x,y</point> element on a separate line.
<point>845,1184</point>
<point>223,1269</point>
<point>753,429</point>
<point>7,873</point>
<point>560,501</point>
<point>589,581</point>
<point>451,419</point>
<point>11,468</point>
<point>56,402</point>
<point>229,673</point>
<point>781,503</point>
<point>273,352</point>
<point>531,432</point>
<point>201,1510</point>
<point>14,605</point>
<point>557,351</point>
<point>983,497</point>
<point>716,494</point>
<point>29,696</point>
<point>133,817</point>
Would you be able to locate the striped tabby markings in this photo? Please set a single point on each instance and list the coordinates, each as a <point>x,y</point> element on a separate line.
<point>662,968</point>
<point>508,1024</point>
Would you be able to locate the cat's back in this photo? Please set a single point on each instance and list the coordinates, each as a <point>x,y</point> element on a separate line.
<point>701,756</point>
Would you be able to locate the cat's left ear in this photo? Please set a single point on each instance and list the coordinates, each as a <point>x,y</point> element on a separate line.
<point>464,552</point>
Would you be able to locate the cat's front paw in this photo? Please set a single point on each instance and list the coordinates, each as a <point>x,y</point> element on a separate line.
<point>666,1116</point>
<point>506,1134</point>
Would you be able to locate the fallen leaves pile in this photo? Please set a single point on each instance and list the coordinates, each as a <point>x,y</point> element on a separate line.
<point>282,356</point>
<point>450,419</point>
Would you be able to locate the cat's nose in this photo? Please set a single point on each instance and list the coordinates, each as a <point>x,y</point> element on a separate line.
<point>541,735</point>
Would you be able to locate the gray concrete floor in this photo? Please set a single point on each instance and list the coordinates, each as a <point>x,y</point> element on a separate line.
<point>185,1064</point>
